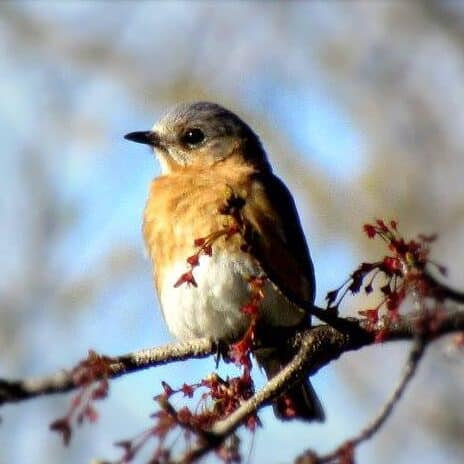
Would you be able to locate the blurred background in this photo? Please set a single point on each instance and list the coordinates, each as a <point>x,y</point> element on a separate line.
<point>360,107</point>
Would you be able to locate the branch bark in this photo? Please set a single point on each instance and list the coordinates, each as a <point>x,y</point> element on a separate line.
<point>12,391</point>
<point>314,348</point>
<point>317,347</point>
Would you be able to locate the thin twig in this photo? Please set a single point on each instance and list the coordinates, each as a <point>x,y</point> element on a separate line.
<point>443,291</point>
<point>415,356</point>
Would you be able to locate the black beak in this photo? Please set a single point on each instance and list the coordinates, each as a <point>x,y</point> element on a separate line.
<point>145,137</point>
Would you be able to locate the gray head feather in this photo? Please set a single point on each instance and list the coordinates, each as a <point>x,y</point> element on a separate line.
<point>202,134</point>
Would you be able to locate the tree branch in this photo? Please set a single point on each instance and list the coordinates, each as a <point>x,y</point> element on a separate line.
<point>317,347</point>
<point>60,382</point>
<point>443,291</point>
<point>314,348</point>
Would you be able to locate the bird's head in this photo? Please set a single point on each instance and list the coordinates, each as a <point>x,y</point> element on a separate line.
<point>201,134</point>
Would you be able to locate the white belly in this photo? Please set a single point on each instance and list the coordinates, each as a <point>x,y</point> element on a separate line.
<point>212,309</point>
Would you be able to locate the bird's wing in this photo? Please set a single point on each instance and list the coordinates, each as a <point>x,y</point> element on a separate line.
<point>275,238</point>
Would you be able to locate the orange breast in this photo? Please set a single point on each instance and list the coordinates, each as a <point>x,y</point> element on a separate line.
<point>183,206</point>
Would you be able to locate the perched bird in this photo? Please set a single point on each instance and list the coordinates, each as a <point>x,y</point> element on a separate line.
<point>208,153</point>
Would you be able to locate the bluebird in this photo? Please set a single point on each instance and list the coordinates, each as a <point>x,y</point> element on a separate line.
<point>206,153</point>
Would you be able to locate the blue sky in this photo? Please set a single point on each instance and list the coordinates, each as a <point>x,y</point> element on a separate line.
<point>100,182</point>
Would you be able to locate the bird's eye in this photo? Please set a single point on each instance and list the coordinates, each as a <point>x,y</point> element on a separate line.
<point>192,137</point>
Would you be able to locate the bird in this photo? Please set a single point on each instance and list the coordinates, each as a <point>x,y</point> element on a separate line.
<point>209,155</point>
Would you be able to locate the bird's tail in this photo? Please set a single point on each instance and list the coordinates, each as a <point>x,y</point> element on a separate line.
<point>300,401</point>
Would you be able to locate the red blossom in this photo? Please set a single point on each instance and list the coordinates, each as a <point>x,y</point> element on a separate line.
<point>91,413</point>
<point>250,309</point>
<point>231,208</point>
<point>165,423</point>
<point>101,391</point>
<point>394,301</point>
<point>91,375</point>
<point>186,278</point>
<point>211,381</point>
<point>63,427</point>
<point>392,265</point>
<point>199,242</point>
<point>184,415</point>
<point>167,388</point>
<point>76,401</point>
<point>394,315</point>
<point>193,260</point>
<point>232,230</point>
<point>257,282</point>
<point>346,453</point>
<point>381,335</point>
<point>369,230</point>
<point>372,315</point>
<point>187,390</point>
<point>382,226</point>
<point>397,275</point>
<point>225,395</point>
<point>252,423</point>
<point>287,407</point>
<point>229,452</point>
<point>240,353</point>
